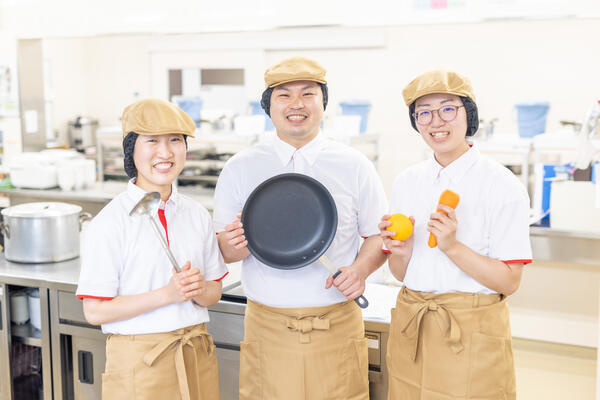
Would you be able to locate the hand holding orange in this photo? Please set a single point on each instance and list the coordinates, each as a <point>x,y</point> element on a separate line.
<point>401,225</point>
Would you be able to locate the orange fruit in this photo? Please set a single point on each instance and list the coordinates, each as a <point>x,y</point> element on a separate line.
<point>401,225</point>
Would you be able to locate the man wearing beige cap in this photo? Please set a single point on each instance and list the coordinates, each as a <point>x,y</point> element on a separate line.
<point>450,334</point>
<point>158,346</point>
<point>304,339</point>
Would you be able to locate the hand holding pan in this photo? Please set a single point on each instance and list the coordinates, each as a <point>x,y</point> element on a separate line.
<point>289,222</point>
<point>360,300</point>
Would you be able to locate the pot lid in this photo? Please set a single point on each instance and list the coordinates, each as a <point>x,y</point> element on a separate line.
<point>42,209</point>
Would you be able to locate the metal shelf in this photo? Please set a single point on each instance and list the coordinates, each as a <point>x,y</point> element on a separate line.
<point>198,178</point>
<point>27,334</point>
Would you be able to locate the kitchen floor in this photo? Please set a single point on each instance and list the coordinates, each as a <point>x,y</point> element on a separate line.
<point>552,371</point>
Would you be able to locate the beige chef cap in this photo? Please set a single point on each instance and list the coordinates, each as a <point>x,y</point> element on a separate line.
<point>438,81</point>
<point>156,117</point>
<point>294,69</point>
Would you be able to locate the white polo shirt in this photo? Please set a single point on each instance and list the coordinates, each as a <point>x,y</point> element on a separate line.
<point>121,255</point>
<point>492,214</point>
<point>356,189</point>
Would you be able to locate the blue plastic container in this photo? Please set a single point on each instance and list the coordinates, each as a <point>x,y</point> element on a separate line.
<point>531,118</point>
<point>357,107</point>
<point>192,106</point>
<point>256,109</point>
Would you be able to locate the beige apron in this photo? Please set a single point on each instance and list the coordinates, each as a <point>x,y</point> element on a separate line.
<point>176,365</point>
<point>316,353</point>
<point>450,346</point>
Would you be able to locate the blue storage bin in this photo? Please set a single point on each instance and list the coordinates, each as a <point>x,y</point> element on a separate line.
<point>531,118</point>
<point>256,109</point>
<point>192,106</point>
<point>357,107</point>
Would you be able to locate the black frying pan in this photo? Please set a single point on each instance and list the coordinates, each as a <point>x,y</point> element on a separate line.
<point>289,221</point>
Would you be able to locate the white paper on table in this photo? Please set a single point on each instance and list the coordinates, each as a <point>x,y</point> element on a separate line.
<point>382,298</point>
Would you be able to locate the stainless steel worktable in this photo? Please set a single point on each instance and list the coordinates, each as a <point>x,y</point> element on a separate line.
<point>60,276</point>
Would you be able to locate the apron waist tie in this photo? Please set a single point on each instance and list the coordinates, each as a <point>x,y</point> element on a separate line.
<point>306,325</point>
<point>180,340</point>
<point>446,322</point>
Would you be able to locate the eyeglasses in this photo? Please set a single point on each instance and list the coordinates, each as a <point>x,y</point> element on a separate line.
<point>446,113</point>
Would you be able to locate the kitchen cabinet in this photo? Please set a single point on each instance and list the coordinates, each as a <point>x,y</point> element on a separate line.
<point>25,357</point>
<point>79,356</point>
<point>70,352</point>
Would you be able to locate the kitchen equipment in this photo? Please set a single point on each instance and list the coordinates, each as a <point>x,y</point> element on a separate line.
<point>31,170</point>
<point>79,362</point>
<point>35,315</point>
<point>19,309</point>
<point>66,176</point>
<point>82,132</point>
<point>531,117</point>
<point>42,232</point>
<point>289,221</point>
<point>573,205</point>
<point>145,206</point>
<point>585,150</point>
<point>40,170</point>
<point>357,107</point>
<point>256,109</point>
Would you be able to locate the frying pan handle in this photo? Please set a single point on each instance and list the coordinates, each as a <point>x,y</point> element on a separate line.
<point>360,300</point>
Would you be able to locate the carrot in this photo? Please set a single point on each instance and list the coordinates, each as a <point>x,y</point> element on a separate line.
<point>450,199</point>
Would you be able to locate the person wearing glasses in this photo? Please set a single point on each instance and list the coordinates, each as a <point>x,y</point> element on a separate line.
<point>450,334</point>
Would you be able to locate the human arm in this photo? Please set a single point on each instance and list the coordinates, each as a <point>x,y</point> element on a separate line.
<point>400,251</point>
<point>351,282</point>
<point>494,274</point>
<point>232,242</point>
<point>181,287</point>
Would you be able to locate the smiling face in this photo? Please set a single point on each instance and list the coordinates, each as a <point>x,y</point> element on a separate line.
<point>445,138</point>
<point>297,111</point>
<point>159,160</point>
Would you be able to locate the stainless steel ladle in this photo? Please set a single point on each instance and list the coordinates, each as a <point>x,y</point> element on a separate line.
<point>145,207</point>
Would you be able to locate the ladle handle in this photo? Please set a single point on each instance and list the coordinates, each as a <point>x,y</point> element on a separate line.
<point>164,243</point>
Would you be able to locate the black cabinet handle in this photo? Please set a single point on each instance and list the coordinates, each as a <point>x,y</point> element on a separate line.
<point>86,367</point>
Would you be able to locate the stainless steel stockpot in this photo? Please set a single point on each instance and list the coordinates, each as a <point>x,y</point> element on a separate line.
<point>42,232</point>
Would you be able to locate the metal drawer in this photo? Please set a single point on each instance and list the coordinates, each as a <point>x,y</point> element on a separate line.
<point>70,308</point>
<point>374,342</point>
<point>226,329</point>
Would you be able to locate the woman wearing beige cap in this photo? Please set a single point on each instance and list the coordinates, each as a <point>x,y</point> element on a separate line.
<point>450,335</point>
<point>158,346</point>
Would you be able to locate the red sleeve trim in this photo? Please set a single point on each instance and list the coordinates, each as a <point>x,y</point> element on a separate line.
<point>221,278</point>
<point>85,296</point>
<point>364,237</point>
<point>217,233</point>
<point>385,251</point>
<point>525,262</point>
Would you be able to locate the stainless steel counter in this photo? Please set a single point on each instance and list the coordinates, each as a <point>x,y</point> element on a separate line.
<point>565,246</point>
<point>60,276</point>
<point>95,198</point>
